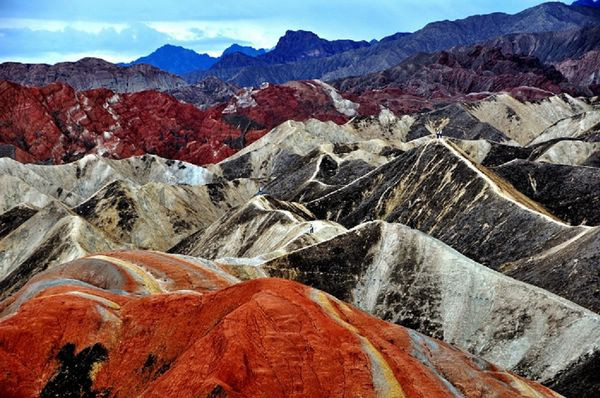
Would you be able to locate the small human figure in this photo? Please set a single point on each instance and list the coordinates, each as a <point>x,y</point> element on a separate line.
<point>312,229</point>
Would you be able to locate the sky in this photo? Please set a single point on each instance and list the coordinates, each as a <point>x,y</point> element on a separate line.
<point>52,31</point>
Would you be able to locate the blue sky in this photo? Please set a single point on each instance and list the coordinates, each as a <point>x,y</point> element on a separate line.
<point>121,30</point>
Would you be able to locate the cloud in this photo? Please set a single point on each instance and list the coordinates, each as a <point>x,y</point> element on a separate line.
<point>52,25</point>
<point>26,42</point>
<point>122,44</point>
<point>252,32</point>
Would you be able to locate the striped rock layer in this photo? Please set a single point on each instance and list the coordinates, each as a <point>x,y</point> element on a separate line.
<point>151,324</point>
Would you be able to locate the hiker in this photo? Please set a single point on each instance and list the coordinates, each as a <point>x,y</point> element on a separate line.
<point>312,229</point>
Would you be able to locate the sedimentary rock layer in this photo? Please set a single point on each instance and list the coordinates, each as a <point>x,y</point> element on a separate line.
<point>265,336</point>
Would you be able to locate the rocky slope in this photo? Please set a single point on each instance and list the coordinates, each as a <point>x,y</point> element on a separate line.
<point>523,121</point>
<point>584,71</point>
<point>407,190</point>
<point>51,214</point>
<point>121,125</point>
<point>205,93</point>
<point>300,202</point>
<point>471,195</point>
<point>487,239</point>
<point>497,118</point>
<point>465,74</point>
<point>401,275</point>
<point>265,326</point>
<point>92,73</point>
<point>360,200</point>
<point>574,53</point>
<point>79,180</point>
<point>572,193</point>
<point>261,229</point>
<point>551,47</point>
<point>462,70</point>
<point>582,127</point>
<point>569,152</point>
<point>89,73</point>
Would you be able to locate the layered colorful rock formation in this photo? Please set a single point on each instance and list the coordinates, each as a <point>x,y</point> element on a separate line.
<point>384,167</point>
<point>53,214</point>
<point>148,324</point>
<point>464,73</point>
<point>56,124</point>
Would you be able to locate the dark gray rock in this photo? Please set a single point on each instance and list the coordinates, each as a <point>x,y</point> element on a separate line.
<point>570,192</point>
<point>437,190</point>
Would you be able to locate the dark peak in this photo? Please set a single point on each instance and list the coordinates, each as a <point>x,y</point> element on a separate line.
<point>299,34</point>
<point>298,44</point>
<point>235,46</point>
<point>170,48</point>
<point>395,36</point>
<point>236,55</point>
<point>236,60</point>
<point>248,50</point>
<point>176,59</point>
<point>293,37</point>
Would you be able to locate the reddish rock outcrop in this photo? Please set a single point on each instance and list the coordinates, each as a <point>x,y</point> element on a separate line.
<point>584,71</point>
<point>120,325</point>
<point>275,104</point>
<point>56,124</point>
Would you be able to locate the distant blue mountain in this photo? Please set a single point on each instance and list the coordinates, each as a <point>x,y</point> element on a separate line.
<point>247,50</point>
<point>587,3</point>
<point>237,60</point>
<point>303,55</point>
<point>176,59</point>
<point>293,46</point>
<point>301,44</point>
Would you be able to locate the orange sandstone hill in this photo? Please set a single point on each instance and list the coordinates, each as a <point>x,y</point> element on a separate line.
<point>128,324</point>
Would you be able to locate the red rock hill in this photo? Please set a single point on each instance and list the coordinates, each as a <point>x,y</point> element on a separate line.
<point>56,124</point>
<point>148,324</point>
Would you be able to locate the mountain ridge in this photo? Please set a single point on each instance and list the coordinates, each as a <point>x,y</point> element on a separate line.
<point>433,37</point>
